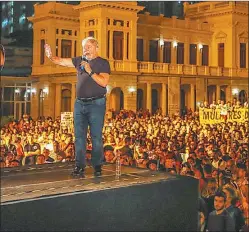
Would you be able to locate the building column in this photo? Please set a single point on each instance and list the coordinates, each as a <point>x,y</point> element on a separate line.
<point>73,96</point>
<point>173,54</point>
<point>146,48</point>
<point>34,109</point>
<point>101,34</point>
<point>111,45</point>
<point>201,90</point>
<point>247,55</point>
<point>57,100</point>
<point>217,93</point>
<point>125,46</point>
<point>210,61</point>
<point>164,92</point>
<point>198,56</point>
<point>192,97</point>
<point>133,41</point>
<point>173,95</point>
<point>49,100</point>
<point>96,34</point>
<point>148,97</point>
<point>228,93</point>
<point>36,47</point>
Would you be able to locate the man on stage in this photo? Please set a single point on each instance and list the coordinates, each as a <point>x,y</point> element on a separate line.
<point>90,103</point>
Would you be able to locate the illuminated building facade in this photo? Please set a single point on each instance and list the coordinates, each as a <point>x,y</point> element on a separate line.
<point>156,62</point>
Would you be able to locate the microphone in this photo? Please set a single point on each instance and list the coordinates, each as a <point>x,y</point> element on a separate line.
<point>83,58</point>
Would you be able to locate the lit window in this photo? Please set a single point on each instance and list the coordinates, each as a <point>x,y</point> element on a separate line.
<point>26,95</point>
<point>11,29</point>
<point>30,25</point>
<point>23,7</point>
<point>22,19</point>
<point>5,23</point>
<point>3,6</point>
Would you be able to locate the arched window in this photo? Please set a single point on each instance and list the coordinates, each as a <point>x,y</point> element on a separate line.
<point>242,96</point>
<point>154,100</point>
<point>117,99</point>
<point>65,100</point>
<point>222,95</point>
<point>183,101</point>
<point>121,100</point>
<point>139,99</point>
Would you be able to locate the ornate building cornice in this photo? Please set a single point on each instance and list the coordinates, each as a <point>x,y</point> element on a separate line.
<point>53,16</point>
<point>215,14</point>
<point>131,6</point>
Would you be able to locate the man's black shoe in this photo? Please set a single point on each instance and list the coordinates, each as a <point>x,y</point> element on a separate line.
<point>97,174</point>
<point>97,171</point>
<point>78,172</point>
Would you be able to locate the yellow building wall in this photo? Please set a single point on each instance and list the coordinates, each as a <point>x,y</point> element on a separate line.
<point>200,26</point>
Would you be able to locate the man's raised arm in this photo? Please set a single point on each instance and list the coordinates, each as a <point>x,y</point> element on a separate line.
<point>66,62</point>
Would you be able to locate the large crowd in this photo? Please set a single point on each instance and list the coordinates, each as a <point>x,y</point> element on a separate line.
<point>216,154</point>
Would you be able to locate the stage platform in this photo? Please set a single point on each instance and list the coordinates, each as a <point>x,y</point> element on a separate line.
<point>49,179</point>
<point>139,200</point>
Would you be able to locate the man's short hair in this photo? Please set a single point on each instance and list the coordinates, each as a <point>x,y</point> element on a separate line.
<point>208,168</point>
<point>233,195</point>
<point>241,166</point>
<point>220,193</point>
<point>108,148</point>
<point>201,149</point>
<point>190,173</point>
<point>90,39</point>
<point>127,139</point>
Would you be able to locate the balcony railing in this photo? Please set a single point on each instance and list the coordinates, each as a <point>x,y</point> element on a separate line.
<point>164,68</point>
<point>119,65</point>
<point>152,67</point>
<point>203,7</point>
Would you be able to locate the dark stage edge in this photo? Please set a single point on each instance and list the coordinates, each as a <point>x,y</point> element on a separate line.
<point>47,198</point>
<point>35,182</point>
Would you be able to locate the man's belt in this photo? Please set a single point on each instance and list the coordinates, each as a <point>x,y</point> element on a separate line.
<point>90,98</point>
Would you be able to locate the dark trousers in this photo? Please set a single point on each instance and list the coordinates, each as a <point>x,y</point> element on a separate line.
<point>90,114</point>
